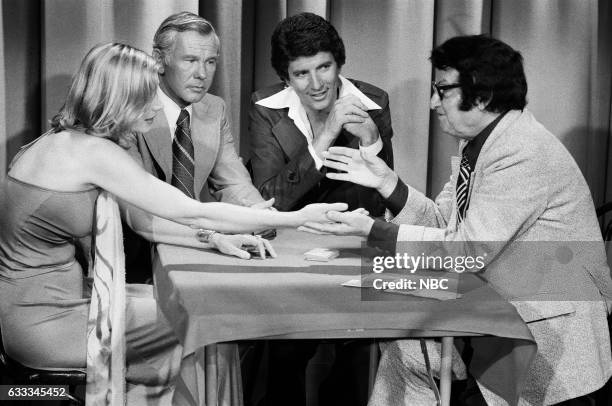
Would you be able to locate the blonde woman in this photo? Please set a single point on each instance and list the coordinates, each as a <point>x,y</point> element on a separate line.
<point>46,210</point>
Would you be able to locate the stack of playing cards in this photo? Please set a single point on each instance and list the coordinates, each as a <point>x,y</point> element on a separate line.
<point>321,254</point>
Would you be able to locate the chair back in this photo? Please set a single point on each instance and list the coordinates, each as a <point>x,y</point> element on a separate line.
<point>606,228</point>
<point>604,395</point>
<point>4,359</point>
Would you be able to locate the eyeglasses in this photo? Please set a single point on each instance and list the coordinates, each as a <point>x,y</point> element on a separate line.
<point>440,89</point>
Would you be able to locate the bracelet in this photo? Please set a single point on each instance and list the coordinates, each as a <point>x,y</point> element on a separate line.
<point>205,236</point>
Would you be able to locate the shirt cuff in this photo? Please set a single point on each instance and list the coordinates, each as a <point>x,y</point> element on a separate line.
<point>374,149</point>
<point>383,235</point>
<point>317,161</point>
<point>398,198</point>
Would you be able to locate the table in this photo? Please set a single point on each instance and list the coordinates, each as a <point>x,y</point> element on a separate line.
<point>212,298</point>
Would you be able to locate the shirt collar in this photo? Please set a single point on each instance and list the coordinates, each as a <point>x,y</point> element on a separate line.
<point>472,148</point>
<point>349,88</point>
<point>171,109</point>
<point>288,98</point>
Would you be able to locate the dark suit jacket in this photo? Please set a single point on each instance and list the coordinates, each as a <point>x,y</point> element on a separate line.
<point>284,169</point>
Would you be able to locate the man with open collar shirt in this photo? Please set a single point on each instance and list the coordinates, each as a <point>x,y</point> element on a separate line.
<point>315,107</point>
<point>291,125</point>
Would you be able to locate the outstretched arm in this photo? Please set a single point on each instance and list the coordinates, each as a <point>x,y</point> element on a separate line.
<point>111,168</point>
<point>160,230</point>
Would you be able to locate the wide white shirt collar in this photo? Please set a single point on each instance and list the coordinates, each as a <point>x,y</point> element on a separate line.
<point>172,110</point>
<point>288,98</point>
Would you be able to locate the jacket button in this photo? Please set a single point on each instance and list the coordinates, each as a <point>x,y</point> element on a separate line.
<point>292,177</point>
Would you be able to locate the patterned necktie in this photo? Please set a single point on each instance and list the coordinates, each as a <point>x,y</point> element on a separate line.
<point>182,156</point>
<point>463,186</point>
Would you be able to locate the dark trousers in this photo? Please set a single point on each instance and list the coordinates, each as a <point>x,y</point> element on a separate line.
<point>345,385</point>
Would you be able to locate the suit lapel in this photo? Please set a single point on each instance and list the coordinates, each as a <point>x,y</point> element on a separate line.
<point>205,129</point>
<point>159,143</point>
<point>289,136</point>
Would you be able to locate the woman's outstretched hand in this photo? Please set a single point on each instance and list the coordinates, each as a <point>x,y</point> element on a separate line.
<point>358,167</point>
<point>356,222</point>
<point>317,212</point>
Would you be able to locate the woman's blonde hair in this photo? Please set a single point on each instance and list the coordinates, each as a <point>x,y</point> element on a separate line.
<point>109,93</point>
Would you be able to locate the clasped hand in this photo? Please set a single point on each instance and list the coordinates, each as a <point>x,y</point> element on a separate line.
<point>356,222</point>
<point>319,212</point>
<point>351,114</point>
<point>357,167</point>
<point>347,109</point>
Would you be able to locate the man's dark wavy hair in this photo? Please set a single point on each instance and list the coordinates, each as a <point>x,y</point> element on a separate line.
<point>489,71</point>
<point>304,34</point>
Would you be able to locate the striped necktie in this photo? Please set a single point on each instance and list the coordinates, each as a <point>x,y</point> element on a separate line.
<point>463,187</point>
<point>182,156</point>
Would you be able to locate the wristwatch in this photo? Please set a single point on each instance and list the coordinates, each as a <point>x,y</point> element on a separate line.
<point>205,235</point>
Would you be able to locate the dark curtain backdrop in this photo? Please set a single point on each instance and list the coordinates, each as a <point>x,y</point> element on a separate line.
<point>567,46</point>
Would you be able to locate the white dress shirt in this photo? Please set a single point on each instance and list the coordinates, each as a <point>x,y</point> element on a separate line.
<point>172,111</point>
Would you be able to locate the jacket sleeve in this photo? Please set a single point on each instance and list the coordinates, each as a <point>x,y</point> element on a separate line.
<point>420,210</point>
<point>286,176</point>
<point>229,180</point>
<point>504,203</point>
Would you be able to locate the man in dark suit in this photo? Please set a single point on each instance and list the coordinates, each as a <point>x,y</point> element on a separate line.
<point>187,48</point>
<point>291,125</point>
<point>294,122</point>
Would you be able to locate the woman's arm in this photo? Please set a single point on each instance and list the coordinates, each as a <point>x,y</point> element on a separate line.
<point>108,166</point>
<point>158,229</point>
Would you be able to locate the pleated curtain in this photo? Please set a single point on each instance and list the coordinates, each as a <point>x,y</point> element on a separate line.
<point>566,44</point>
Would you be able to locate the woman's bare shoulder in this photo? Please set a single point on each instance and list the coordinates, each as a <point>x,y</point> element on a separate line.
<point>86,145</point>
<point>97,160</point>
<point>63,160</point>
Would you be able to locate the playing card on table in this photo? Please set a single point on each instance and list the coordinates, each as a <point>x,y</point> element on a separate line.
<point>321,254</point>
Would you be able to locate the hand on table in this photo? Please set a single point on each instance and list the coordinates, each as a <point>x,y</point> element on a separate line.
<point>356,222</point>
<point>234,244</point>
